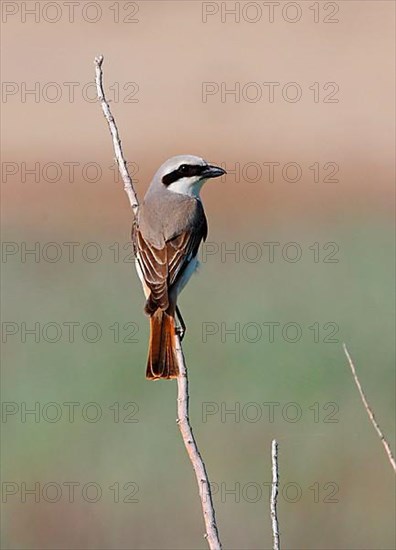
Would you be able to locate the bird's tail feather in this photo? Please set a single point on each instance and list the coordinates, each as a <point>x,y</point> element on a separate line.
<point>162,360</point>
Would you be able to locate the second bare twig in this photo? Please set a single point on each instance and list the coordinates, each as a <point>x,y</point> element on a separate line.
<point>274,495</point>
<point>370,412</point>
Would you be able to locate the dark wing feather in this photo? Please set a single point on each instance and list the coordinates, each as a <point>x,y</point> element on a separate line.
<point>162,267</point>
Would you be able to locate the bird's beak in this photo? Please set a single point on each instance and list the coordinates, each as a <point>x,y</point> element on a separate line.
<point>213,171</point>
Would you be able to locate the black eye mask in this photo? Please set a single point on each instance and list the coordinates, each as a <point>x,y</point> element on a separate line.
<point>184,171</point>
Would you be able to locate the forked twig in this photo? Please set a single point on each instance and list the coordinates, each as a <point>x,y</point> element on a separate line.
<point>211,535</point>
<point>370,411</point>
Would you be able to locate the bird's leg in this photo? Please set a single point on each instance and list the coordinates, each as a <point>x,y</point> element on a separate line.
<point>181,328</point>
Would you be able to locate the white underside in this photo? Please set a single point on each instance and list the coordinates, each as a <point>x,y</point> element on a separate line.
<point>190,269</point>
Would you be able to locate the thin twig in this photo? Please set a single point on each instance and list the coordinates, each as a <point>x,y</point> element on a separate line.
<point>370,412</point>
<point>274,495</point>
<point>183,421</point>
<point>122,165</point>
<point>211,535</point>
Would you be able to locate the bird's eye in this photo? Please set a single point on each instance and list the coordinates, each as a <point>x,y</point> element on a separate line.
<point>183,168</point>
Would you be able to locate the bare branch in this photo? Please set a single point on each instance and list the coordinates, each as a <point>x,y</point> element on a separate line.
<point>122,165</point>
<point>182,380</point>
<point>274,495</point>
<point>183,421</point>
<point>370,412</point>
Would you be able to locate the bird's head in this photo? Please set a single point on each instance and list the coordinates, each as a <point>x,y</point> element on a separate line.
<point>186,174</point>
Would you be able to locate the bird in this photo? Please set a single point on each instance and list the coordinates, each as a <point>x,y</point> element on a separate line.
<point>166,234</point>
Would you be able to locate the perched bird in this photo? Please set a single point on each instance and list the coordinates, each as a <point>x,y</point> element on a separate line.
<point>166,235</point>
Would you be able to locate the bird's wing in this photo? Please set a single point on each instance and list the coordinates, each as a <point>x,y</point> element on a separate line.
<point>162,267</point>
<point>181,250</point>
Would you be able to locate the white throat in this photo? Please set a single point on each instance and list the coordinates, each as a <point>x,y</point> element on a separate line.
<point>185,186</point>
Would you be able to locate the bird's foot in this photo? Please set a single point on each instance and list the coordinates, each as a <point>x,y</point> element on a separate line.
<point>180,331</point>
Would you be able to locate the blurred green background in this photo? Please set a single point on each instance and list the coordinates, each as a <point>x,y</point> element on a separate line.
<point>337,487</point>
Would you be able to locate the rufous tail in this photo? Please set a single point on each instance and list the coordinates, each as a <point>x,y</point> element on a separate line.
<point>162,360</point>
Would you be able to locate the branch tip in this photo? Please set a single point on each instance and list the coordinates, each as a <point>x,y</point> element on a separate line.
<point>122,165</point>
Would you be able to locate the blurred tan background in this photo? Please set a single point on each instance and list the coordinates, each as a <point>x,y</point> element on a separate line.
<point>169,50</point>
